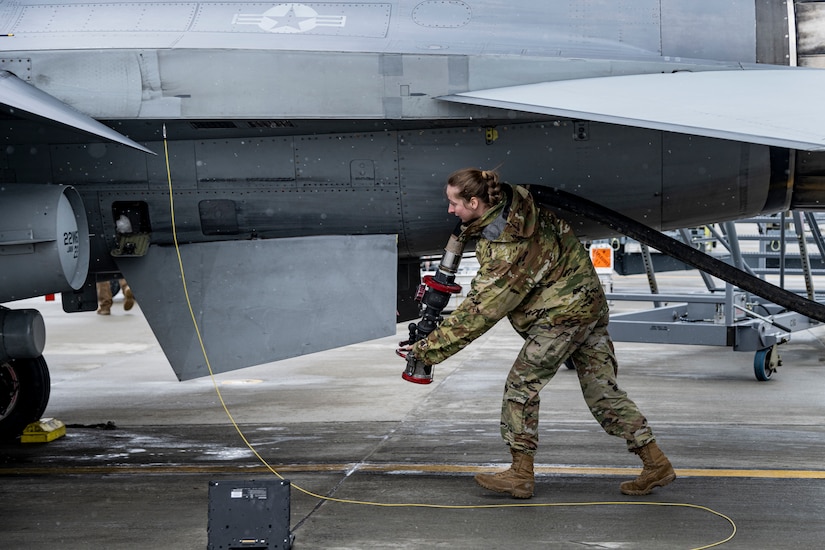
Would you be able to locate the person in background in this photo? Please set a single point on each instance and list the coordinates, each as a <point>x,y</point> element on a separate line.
<point>105,293</point>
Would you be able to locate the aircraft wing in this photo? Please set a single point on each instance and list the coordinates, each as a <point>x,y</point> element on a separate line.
<point>756,106</point>
<point>22,98</point>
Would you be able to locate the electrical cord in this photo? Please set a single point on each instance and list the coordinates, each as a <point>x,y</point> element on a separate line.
<point>309,493</point>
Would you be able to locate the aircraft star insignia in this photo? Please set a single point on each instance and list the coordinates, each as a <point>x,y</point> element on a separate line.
<point>290,18</point>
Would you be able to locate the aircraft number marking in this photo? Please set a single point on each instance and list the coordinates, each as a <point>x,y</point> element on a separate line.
<point>71,241</point>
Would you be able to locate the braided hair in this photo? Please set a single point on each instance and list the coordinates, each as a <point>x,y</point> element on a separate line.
<point>482,184</point>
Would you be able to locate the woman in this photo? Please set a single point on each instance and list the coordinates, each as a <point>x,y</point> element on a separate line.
<point>534,270</point>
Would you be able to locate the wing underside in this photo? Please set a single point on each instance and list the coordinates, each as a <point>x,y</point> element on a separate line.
<point>768,106</point>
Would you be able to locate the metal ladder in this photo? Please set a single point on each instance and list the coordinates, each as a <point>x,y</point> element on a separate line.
<point>788,244</point>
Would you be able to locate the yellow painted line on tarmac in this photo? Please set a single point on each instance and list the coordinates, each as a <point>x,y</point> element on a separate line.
<point>591,471</point>
<point>695,472</point>
<point>390,468</point>
<point>771,474</point>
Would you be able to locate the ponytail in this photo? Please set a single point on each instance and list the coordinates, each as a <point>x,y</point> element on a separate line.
<point>482,184</point>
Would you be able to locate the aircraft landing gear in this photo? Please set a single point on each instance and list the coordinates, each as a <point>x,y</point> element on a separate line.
<point>765,363</point>
<point>24,394</point>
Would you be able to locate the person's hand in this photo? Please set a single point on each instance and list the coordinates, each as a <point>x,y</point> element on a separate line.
<point>404,348</point>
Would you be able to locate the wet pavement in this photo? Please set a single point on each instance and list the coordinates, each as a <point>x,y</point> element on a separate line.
<point>376,462</point>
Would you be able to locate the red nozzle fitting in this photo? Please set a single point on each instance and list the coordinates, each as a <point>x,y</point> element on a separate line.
<point>417,372</point>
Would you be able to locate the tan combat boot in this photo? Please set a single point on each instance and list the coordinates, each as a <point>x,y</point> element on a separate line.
<point>105,307</point>
<point>129,298</point>
<point>518,479</point>
<point>657,471</point>
<point>104,298</point>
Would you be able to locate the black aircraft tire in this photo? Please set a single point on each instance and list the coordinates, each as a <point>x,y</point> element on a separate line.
<point>25,386</point>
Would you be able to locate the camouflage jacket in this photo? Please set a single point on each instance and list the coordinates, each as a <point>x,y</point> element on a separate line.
<point>532,269</point>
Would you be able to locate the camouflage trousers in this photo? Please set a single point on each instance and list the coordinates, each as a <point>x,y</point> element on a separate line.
<point>591,350</point>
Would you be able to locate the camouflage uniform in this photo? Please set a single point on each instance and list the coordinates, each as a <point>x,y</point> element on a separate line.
<point>534,270</point>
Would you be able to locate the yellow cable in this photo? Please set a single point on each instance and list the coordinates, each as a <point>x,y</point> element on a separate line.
<point>385,504</point>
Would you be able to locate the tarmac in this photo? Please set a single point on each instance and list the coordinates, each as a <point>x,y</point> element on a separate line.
<point>375,462</point>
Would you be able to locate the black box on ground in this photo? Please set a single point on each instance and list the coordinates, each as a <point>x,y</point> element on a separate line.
<point>249,514</point>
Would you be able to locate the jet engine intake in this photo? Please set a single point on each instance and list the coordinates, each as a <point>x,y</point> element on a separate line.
<point>44,241</point>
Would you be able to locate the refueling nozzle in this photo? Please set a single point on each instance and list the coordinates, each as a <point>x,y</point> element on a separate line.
<point>434,294</point>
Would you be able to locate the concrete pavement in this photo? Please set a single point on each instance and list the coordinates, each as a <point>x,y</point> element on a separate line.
<point>342,424</point>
